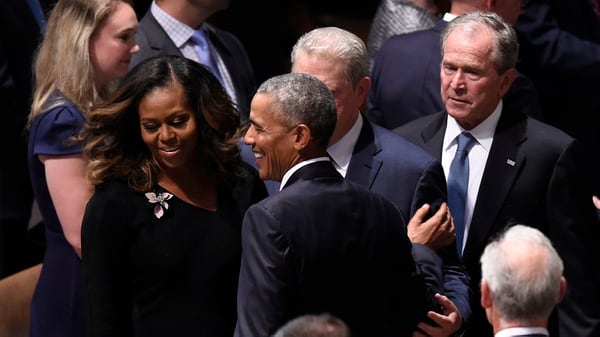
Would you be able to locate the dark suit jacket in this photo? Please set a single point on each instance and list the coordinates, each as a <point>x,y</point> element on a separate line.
<point>535,175</point>
<point>325,244</point>
<point>406,80</point>
<point>560,51</point>
<point>154,41</point>
<point>409,177</point>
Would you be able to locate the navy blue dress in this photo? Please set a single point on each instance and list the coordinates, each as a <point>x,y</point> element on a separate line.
<point>57,308</point>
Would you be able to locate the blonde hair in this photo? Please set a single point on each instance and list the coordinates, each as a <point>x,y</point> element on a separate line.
<point>63,62</point>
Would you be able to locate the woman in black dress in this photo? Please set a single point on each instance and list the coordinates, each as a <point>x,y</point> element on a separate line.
<point>161,234</point>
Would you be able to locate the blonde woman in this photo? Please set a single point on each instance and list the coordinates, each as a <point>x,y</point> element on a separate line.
<point>87,46</point>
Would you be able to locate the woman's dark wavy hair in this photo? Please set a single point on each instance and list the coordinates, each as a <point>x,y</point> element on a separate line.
<point>112,139</point>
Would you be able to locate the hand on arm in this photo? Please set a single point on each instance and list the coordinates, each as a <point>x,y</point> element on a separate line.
<point>448,322</point>
<point>437,232</point>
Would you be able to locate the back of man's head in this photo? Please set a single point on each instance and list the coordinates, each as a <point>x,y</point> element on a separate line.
<point>521,277</point>
<point>323,325</point>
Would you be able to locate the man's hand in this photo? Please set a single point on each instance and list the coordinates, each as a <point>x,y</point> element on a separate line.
<point>437,232</point>
<point>595,200</point>
<point>449,322</point>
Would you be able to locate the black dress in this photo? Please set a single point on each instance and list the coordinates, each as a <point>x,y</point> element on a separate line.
<point>170,276</point>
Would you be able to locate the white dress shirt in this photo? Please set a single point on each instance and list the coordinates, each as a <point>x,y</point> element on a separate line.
<point>288,173</point>
<point>520,331</point>
<point>484,136</point>
<point>181,34</point>
<point>341,151</point>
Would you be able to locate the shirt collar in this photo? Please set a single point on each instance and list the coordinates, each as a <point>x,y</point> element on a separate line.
<point>449,17</point>
<point>296,167</point>
<point>521,331</point>
<point>177,31</point>
<point>483,133</point>
<point>341,151</point>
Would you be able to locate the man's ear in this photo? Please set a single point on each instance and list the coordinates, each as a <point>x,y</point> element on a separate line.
<point>507,79</point>
<point>362,88</point>
<point>486,296</point>
<point>563,288</point>
<point>302,136</point>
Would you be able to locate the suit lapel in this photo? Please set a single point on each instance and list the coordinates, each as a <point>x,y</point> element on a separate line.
<point>432,136</point>
<point>216,41</point>
<point>364,165</point>
<point>157,38</point>
<point>440,25</point>
<point>502,167</point>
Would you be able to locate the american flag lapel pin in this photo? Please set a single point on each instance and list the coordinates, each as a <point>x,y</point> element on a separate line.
<point>510,162</point>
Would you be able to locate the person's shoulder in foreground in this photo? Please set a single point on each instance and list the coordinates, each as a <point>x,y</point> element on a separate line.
<point>301,252</point>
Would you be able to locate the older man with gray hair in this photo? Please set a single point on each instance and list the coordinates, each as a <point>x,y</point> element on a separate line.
<point>522,282</point>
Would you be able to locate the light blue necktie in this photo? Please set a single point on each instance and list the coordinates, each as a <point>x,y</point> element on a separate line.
<point>204,55</point>
<point>458,180</point>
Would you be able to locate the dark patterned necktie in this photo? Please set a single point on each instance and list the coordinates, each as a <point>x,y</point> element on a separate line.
<point>458,181</point>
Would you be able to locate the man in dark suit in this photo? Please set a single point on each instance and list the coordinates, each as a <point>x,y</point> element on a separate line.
<point>382,161</point>
<point>521,170</point>
<point>20,33</point>
<point>560,51</point>
<point>323,243</point>
<point>406,72</point>
<point>167,29</point>
<point>519,294</point>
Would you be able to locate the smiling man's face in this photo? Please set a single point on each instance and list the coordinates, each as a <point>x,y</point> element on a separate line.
<point>272,142</point>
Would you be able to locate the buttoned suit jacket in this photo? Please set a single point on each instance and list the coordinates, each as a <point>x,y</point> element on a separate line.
<point>154,41</point>
<point>535,175</point>
<point>406,80</point>
<point>326,244</point>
